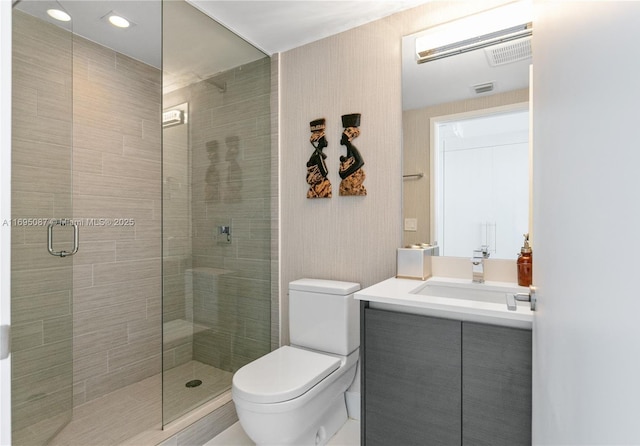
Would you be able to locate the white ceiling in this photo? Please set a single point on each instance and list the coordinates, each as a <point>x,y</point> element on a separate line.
<point>276,26</point>
<point>269,27</point>
<point>143,41</point>
<point>272,27</point>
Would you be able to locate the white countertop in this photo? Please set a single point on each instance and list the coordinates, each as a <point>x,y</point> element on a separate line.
<point>400,295</point>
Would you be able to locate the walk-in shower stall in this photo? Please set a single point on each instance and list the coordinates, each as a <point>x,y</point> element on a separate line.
<point>142,217</point>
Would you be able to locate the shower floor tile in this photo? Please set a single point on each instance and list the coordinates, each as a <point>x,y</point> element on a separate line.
<point>180,399</point>
<point>127,412</point>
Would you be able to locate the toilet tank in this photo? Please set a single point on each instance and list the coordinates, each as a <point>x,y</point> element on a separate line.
<point>324,316</point>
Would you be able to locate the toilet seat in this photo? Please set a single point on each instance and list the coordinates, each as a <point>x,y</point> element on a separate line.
<point>282,375</point>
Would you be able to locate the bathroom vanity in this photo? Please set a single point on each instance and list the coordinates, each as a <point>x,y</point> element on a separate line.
<point>439,367</point>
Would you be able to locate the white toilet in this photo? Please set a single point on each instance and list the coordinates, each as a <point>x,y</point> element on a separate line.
<point>295,395</point>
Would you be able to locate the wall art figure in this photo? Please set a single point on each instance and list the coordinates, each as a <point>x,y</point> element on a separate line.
<point>233,192</point>
<point>212,177</point>
<point>319,184</point>
<point>351,171</point>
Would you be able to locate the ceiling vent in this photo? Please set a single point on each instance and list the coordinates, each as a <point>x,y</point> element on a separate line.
<point>509,52</point>
<point>483,88</point>
<point>493,27</point>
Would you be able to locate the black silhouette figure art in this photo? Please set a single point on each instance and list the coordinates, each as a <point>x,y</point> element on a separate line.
<point>212,177</point>
<point>319,184</point>
<point>351,171</point>
<point>234,172</point>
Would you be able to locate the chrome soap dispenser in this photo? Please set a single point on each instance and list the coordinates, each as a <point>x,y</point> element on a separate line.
<point>525,263</point>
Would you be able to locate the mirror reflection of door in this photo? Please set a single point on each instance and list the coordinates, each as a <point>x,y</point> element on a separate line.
<point>481,182</point>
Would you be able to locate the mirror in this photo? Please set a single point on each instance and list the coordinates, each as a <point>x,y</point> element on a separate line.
<point>462,85</point>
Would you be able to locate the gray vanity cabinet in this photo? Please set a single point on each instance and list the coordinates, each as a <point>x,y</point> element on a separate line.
<point>496,385</point>
<point>412,379</point>
<point>432,381</point>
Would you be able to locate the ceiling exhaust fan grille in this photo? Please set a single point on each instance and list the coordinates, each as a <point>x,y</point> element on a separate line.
<point>509,52</point>
<point>483,88</point>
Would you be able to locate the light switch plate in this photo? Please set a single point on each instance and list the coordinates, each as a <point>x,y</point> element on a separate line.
<point>411,224</point>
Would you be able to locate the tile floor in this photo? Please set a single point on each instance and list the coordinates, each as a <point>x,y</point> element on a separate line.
<point>179,400</point>
<point>127,415</point>
<point>132,410</point>
<point>348,435</point>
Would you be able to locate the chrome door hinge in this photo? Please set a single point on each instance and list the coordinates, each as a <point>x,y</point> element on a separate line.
<point>524,297</point>
<point>5,341</point>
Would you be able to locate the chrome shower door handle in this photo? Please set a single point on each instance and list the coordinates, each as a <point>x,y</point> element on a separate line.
<point>76,238</point>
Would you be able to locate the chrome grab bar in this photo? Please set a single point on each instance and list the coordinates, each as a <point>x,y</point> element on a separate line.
<point>76,237</point>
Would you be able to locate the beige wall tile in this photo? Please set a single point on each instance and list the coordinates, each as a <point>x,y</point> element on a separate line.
<point>139,249</point>
<point>104,273</point>
<point>87,366</point>
<point>82,277</point>
<point>49,405</point>
<point>95,252</point>
<point>29,387</point>
<point>100,340</point>
<point>103,384</point>
<point>58,329</point>
<point>26,336</point>
<point>133,352</point>
<point>41,154</point>
<point>87,160</point>
<point>89,321</point>
<point>31,307</point>
<point>37,282</point>
<point>41,357</point>
<point>117,293</point>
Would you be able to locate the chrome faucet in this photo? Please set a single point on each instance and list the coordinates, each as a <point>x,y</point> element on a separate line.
<point>477,263</point>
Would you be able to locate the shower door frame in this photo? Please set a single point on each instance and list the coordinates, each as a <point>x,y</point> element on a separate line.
<point>5,212</point>
<point>29,221</point>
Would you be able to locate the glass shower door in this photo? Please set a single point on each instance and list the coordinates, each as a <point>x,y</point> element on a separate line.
<point>216,214</point>
<point>41,287</point>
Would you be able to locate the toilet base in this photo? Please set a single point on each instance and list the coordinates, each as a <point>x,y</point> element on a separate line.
<point>320,432</point>
<point>334,418</point>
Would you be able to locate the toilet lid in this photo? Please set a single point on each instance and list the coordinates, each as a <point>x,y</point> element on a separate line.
<point>283,374</point>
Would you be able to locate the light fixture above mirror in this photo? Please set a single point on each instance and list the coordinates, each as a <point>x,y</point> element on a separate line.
<point>502,65</point>
<point>495,26</point>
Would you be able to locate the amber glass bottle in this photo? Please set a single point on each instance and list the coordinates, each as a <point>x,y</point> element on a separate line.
<point>525,263</point>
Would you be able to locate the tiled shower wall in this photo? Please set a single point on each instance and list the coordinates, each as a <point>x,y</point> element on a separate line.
<point>231,186</point>
<point>177,284</point>
<point>117,177</point>
<point>87,145</point>
<point>223,179</point>
<point>41,188</point>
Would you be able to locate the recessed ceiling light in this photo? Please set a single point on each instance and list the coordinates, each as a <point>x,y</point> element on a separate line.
<point>118,21</point>
<point>59,15</point>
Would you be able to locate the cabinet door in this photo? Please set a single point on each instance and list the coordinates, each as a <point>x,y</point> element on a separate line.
<point>412,380</point>
<point>496,389</point>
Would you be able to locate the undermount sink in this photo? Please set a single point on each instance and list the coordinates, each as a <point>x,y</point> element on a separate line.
<point>490,292</point>
<point>452,298</point>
